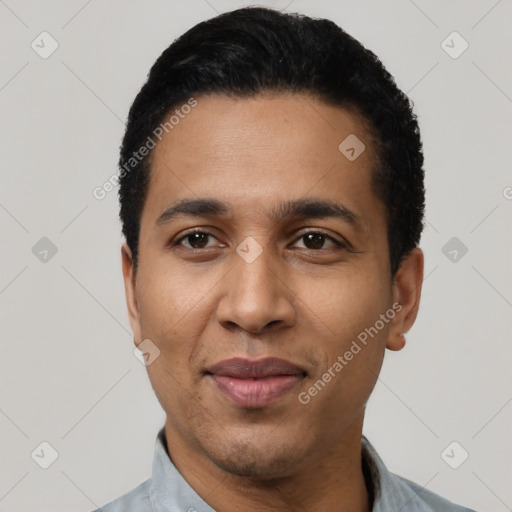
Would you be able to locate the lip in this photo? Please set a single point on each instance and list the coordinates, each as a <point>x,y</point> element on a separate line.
<point>255,383</point>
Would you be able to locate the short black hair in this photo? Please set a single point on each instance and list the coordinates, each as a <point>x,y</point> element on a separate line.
<point>253,50</point>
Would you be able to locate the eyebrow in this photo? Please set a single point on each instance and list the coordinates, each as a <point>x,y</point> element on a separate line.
<point>297,208</point>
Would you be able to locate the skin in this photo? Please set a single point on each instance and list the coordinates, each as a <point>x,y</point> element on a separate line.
<point>297,300</point>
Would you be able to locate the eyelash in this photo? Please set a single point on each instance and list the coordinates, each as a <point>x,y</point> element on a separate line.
<point>340,245</point>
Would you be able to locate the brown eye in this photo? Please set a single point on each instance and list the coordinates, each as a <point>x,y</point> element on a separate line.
<point>195,240</point>
<point>316,241</point>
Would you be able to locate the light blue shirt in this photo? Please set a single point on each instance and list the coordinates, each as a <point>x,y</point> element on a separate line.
<point>168,491</point>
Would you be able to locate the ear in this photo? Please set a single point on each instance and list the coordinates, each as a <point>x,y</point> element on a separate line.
<point>129,276</point>
<point>406,293</point>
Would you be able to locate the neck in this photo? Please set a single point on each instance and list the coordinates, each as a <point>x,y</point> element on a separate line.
<point>331,479</point>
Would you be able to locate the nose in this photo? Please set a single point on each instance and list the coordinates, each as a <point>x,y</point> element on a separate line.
<point>255,296</point>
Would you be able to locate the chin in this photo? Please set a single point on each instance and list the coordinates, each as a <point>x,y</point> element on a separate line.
<point>246,459</point>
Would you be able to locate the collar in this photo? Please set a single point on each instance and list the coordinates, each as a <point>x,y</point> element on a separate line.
<point>169,491</point>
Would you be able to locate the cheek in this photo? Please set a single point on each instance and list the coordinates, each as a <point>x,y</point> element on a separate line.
<point>340,389</point>
<point>351,354</point>
<point>172,301</point>
<point>171,316</point>
<point>347,303</point>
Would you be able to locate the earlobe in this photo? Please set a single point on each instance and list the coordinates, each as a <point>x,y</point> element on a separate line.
<point>397,343</point>
<point>130,291</point>
<point>407,285</point>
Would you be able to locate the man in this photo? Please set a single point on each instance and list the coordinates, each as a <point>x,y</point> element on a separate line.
<point>272,198</point>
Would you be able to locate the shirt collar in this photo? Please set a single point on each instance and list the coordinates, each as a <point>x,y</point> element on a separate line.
<point>390,492</point>
<point>169,491</point>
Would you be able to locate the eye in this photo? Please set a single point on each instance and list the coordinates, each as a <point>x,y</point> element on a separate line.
<point>196,240</point>
<point>315,240</point>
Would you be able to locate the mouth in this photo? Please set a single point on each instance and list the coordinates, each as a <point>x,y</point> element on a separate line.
<point>255,383</point>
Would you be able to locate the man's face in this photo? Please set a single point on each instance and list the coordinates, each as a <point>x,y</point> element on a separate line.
<point>254,285</point>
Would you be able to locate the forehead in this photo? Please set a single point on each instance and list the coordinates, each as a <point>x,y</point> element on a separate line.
<point>256,152</point>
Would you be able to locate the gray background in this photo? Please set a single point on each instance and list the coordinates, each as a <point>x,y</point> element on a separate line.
<point>68,375</point>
